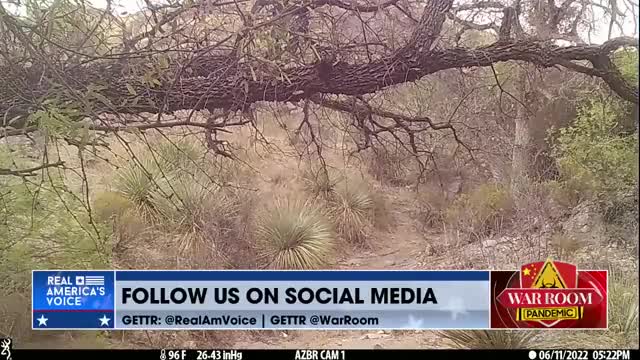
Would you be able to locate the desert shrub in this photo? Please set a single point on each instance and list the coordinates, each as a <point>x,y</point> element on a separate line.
<point>225,224</point>
<point>485,210</point>
<point>319,181</point>
<point>623,318</point>
<point>179,201</point>
<point>43,225</point>
<point>294,234</point>
<point>431,206</point>
<point>566,194</point>
<point>137,180</point>
<point>389,165</point>
<point>623,304</point>
<point>565,245</point>
<point>178,155</point>
<point>127,228</point>
<point>383,216</point>
<point>109,204</point>
<point>593,157</point>
<point>490,339</point>
<point>352,210</point>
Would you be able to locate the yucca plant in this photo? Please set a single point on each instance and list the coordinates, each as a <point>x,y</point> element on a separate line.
<point>137,181</point>
<point>179,201</point>
<point>351,209</point>
<point>623,303</point>
<point>294,234</point>
<point>489,339</point>
<point>319,182</point>
<point>178,155</point>
<point>623,319</point>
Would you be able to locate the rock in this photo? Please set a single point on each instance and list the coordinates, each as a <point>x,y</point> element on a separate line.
<point>585,223</point>
<point>490,243</point>
<point>429,251</point>
<point>374,336</point>
<point>377,347</point>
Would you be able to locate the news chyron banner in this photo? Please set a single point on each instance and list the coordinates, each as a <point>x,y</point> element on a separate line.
<point>319,300</point>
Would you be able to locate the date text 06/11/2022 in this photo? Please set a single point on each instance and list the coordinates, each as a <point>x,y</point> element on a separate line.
<point>580,355</point>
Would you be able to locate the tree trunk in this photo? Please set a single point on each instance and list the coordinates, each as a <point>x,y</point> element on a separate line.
<point>522,138</point>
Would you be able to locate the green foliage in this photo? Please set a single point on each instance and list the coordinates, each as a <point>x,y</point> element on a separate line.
<point>294,235</point>
<point>594,159</point>
<point>483,211</point>
<point>44,225</point>
<point>627,63</point>
<point>179,155</point>
<point>108,205</point>
<point>136,181</point>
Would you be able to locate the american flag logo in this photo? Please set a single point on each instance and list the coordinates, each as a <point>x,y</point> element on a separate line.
<point>90,280</point>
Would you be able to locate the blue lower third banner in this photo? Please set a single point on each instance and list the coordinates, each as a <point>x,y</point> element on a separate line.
<point>243,300</point>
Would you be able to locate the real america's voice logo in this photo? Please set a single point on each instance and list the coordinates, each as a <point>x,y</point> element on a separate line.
<point>72,299</point>
<point>72,291</point>
<point>549,294</point>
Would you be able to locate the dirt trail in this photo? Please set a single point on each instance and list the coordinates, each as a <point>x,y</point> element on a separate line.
<point>400,249</point>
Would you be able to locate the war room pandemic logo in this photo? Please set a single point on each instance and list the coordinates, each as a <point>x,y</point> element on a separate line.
<point>549,294</point>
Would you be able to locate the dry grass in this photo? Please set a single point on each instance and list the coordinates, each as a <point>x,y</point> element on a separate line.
<point>320,181</point>
<point>383,216</point>
<point>390,165</point>
<point>108,204</point>
<point>486,210</point>
<point>352,210</point>
<point>294,234</point>
<point>564,245</point>
<point>430,208</point>
<point>623,319</point>
<point>490,339</point>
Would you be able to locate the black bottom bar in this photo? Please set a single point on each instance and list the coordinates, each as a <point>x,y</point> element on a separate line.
<point>327,354</point>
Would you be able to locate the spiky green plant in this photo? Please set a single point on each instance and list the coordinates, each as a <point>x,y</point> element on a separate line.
<point>136,181</point>
<point>623,303</point>
<point>180,201</point>
<point>489,339</point>
<point>178,155</point>
<point>319,181</point>
<point>293,234</point>
<point>351,209</point>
